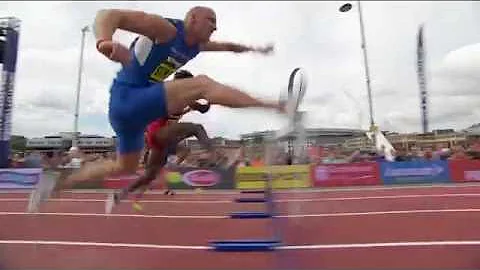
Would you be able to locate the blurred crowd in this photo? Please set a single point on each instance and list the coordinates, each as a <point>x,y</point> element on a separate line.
<point>55,159</point>
<point>321,155</point>
<point>337,154</point>
<point>75,158</point>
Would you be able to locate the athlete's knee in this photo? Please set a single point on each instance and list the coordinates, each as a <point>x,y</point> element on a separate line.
<point>210,89</point>
<point>192,129</point>
<point>203,79</point>
<point>197,128</point>
<point>205,83</point>
<point>150,174</point>
<point>188,126</point>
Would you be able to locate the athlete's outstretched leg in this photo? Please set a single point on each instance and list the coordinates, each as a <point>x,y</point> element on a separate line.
<point>180,93</point>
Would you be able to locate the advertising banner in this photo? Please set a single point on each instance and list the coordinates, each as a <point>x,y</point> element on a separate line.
<point>346,174</point>
<point>414,172</point>
<point>293,176</point>
<point>20,178</point>
<point>205,178</point>
<point>464,170</point>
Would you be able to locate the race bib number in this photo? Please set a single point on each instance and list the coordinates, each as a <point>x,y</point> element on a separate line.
<point>165,69</point>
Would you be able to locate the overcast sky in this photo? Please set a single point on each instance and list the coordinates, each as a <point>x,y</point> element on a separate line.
<point>311,35</point>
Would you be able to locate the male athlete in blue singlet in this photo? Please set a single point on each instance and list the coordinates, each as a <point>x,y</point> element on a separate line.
<point>162,140</point>
<point>139,95</point>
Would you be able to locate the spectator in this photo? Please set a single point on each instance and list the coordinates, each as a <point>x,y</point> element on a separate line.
<point>427,154</point>
<point>459,153</point>
<point>401,155</point>
<point>332,156</point>
<point>33,160</point>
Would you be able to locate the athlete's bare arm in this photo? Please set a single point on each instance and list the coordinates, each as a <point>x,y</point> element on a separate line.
<point>233,47</point>
<point>107,21</point>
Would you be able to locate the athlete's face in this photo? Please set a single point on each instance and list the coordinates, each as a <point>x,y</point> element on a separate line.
<point>206,24</point>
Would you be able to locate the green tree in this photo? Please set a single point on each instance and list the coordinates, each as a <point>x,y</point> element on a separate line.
<point>18,143</point>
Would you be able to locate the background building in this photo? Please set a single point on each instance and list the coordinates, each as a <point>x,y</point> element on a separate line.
<point>254,142</point>
<point>63,142</point>
<point>217,142</point>
<point>440,138</point>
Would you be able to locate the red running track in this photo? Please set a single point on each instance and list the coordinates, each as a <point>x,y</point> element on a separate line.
<point>424,227</point>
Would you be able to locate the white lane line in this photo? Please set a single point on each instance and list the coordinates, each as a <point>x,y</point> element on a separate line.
<point>302,190</point>
<point>113,215</point>
<point>127,201</point>
<point>99,244</point>
<point>293,247</point>
<point>377,213</point>
<point>387,197</point>
<point>340,214</point>
<point>380,245</point>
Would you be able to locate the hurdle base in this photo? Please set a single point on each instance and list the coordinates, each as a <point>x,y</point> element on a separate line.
<point>250,200</point>
<point>245,245</point>
<point>252,191</point>
<point>250,215</point>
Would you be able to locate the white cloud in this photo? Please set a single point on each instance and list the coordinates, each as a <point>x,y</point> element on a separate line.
<point>311,35</point>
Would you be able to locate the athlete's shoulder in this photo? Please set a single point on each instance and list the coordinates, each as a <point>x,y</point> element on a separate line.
<point>175,22</point>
